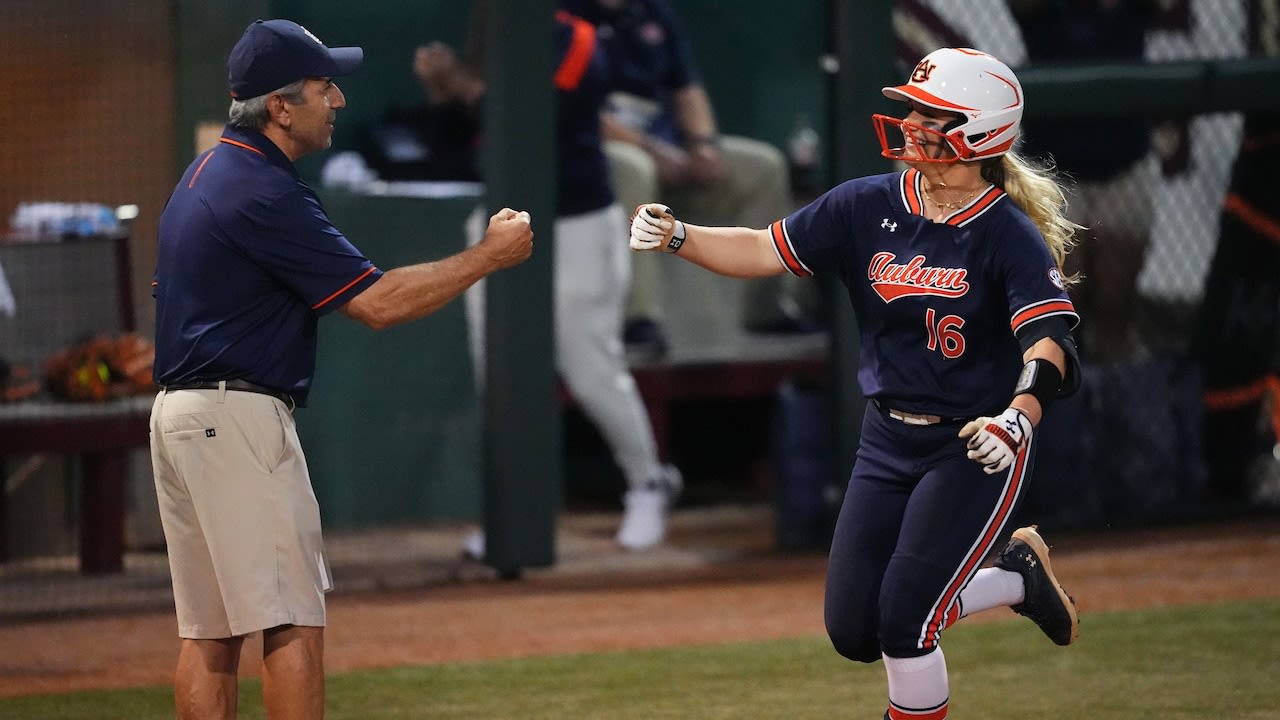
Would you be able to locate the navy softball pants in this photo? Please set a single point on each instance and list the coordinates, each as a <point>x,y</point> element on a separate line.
<point>917,522</point>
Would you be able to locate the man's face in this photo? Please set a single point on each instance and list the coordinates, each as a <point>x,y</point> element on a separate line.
<point>312,119</point>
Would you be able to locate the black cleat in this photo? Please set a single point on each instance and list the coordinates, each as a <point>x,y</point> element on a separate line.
<point>1045,602</point>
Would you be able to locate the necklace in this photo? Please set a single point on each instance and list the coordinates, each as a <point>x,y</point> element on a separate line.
<point>949,205</point>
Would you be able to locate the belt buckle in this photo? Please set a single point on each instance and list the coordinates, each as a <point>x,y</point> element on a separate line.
<point>910,419</point>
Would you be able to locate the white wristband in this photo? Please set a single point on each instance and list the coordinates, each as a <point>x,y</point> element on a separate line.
<point>677,237</point>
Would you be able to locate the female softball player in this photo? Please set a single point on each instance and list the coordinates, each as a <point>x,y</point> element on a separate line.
<point>954,270</point>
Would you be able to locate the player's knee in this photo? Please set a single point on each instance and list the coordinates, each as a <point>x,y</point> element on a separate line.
<point>853,640</point>
<point>856,649</point>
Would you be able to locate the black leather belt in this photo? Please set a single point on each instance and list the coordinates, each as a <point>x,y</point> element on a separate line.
<point>238,385</point>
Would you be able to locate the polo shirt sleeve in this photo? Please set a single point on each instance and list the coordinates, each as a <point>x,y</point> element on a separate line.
<point>295,242</point>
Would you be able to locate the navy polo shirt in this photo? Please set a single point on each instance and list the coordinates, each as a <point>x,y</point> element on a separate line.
<point>247,263</point>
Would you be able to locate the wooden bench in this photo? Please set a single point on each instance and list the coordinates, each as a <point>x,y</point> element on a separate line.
<point>749,367</point>
<point>66,289</point>
<point>101,437</point>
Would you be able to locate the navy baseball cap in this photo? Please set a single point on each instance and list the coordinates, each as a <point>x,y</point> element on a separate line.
<point>275,53</point>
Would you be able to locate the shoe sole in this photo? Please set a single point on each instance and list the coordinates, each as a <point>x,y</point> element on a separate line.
<point>1038,546</point>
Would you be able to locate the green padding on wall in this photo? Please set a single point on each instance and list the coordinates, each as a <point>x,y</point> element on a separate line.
<point>1159,89</point>
<point>392,431</point>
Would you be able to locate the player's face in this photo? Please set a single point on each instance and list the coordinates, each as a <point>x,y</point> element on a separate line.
<point>920,137</point>
<point>924,133</point>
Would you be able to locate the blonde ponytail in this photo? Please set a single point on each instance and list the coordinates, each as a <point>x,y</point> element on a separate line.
<point>1036,190</point>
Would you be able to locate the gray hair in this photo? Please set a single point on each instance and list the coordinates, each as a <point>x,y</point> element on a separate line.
<point>252,114</point>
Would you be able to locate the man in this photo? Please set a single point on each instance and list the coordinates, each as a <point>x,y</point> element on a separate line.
<point>247,264</point>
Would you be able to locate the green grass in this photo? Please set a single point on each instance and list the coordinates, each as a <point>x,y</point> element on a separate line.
<point>1211,662</point>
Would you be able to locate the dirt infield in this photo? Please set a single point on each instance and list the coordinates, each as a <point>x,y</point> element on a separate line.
<point>760,596</point>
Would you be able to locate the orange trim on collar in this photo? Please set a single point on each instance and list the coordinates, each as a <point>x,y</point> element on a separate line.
<point>911,191</point>
<point>239,144</point>
<point>974,209</point>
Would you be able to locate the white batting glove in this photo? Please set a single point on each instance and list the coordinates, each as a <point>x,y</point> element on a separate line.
<point>995,442</point>
<point>653,227</point>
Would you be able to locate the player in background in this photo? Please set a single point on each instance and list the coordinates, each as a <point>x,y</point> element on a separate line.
<point>591,274</point>
<point>954,270</point>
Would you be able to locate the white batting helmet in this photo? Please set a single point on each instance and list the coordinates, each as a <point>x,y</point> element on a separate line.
<point>975,85</point>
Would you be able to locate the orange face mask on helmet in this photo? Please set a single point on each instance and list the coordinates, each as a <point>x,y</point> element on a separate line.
<point>980,91</point>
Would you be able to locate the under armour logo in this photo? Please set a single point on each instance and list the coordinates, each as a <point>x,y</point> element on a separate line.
<point>891,226</point>
<point>210,432</point>
<point>1011,426</point>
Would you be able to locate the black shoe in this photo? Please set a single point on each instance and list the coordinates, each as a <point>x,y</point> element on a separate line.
<point>1045,602</point>
<point>645,338</point>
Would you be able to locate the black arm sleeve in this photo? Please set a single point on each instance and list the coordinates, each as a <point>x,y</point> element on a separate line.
<point>1060,330</point>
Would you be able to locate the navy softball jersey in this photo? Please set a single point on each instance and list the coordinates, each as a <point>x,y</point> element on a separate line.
<point>943,309</point>
<point>247,263</point>
<point>938,304</point>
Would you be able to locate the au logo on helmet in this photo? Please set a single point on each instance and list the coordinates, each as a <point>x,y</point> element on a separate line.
<point>923,70</point>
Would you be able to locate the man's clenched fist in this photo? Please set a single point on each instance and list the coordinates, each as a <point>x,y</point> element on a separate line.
<point>509,238</point>
<point>995,442</point>
<point>653,227</point>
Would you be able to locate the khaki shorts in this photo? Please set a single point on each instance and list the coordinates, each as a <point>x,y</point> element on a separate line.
<point>240,518</point>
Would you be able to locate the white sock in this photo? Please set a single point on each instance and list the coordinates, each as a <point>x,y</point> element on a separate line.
<point>918,686</point>
<point>991,587</point>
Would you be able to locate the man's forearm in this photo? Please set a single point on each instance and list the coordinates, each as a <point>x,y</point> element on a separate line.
<point>411,292</point>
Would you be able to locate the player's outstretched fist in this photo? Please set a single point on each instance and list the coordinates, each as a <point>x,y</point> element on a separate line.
<point>509,238</point>
<point>653,227</point>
